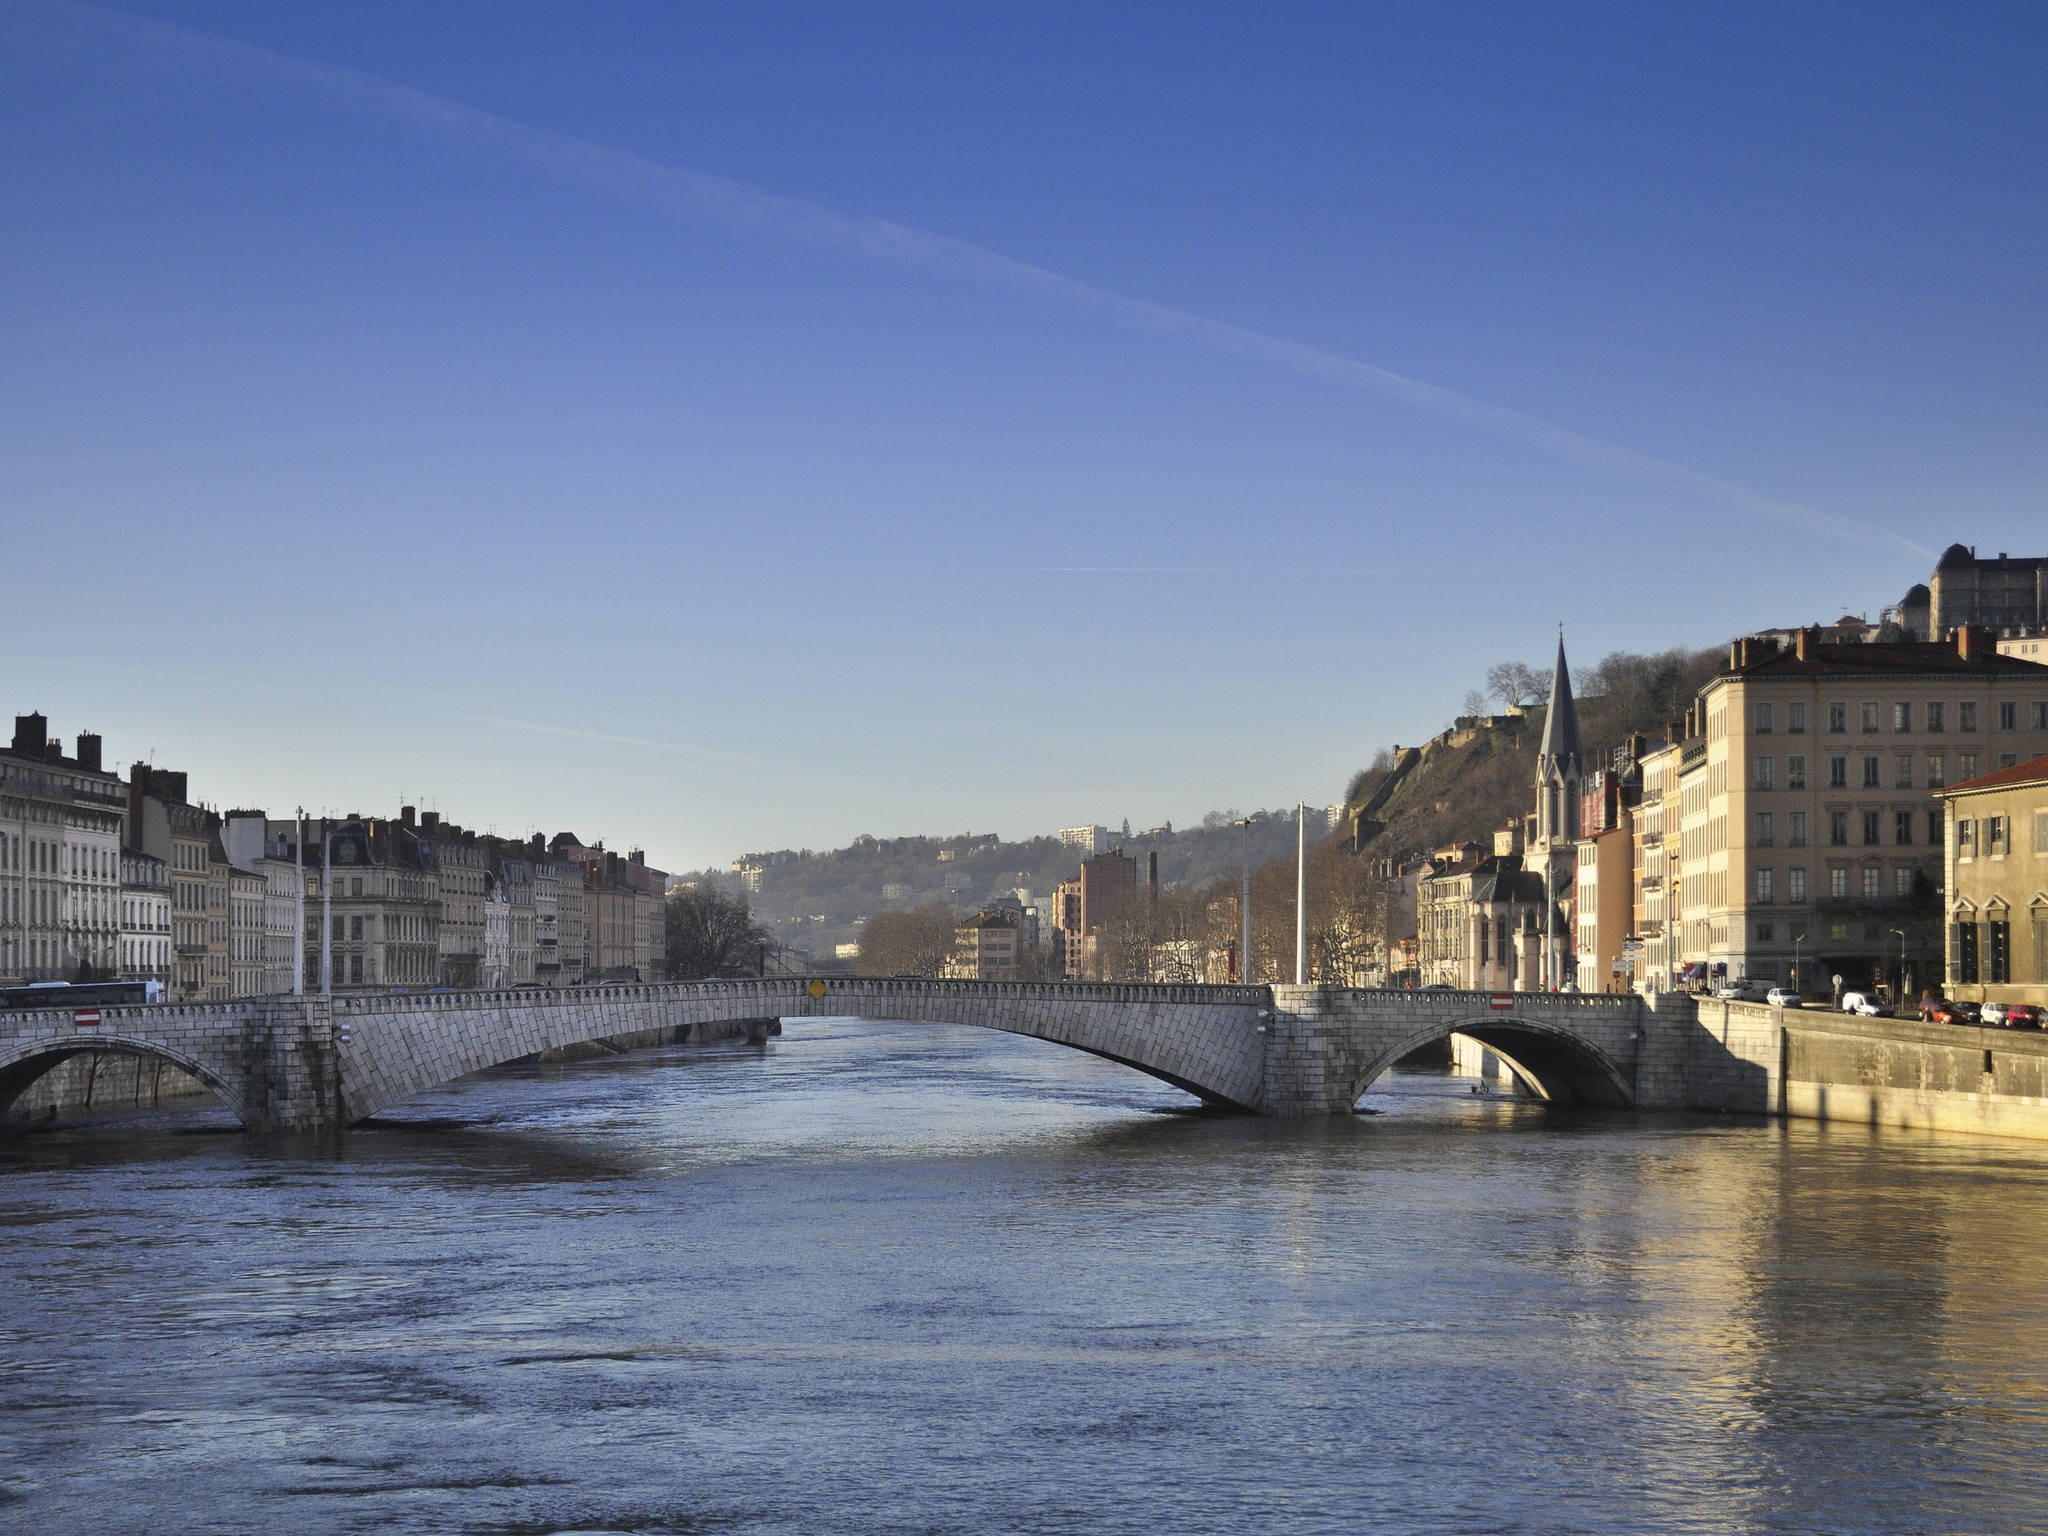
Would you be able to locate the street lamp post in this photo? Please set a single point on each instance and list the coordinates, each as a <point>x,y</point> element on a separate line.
<point>1797,940</point>
<point>1901,934</point>
<point>1244,905</point>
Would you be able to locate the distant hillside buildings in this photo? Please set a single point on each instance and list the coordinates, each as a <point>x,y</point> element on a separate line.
<point>135,880</point>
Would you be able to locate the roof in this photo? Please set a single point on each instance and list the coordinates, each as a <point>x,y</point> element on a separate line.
<point>1901,658</point>
<point>987,920</point>
<point>1955,555</point>
<point>2033,771</point>
<point>1561,721</point>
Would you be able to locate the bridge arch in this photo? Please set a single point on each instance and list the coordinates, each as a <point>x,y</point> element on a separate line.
<point>1207,1041</point>
<point>1557,1064</point>
<point>22,1063</point>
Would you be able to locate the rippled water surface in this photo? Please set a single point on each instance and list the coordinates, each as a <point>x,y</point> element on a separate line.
<point>897,1278</point>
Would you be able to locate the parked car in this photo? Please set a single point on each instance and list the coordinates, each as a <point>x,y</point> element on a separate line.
<point>1862,1002</point>
<point>1949,1012</point>
<point>1991,1015</point>
<point>1929,1006</point>
<point>1784,997</point>
<point>2025,1016</point>
<point>1744,991</point>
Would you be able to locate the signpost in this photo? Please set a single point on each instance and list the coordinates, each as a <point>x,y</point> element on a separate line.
<point>85,1018</point>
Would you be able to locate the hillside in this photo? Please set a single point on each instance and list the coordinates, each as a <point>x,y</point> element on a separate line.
<point>816,900</point>
<point>1469,779</point>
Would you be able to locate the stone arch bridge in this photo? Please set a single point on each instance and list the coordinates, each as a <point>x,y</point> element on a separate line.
<point>317,1063</point>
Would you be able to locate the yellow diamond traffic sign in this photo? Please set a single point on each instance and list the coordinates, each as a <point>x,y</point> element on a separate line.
<point>816,989</point>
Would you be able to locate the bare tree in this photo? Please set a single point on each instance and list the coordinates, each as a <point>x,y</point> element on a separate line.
<point>915,942</point>
<point>708,933</point>
<point>1514,682</point>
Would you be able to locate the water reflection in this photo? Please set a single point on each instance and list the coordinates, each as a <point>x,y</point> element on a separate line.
<point>896,1277</point>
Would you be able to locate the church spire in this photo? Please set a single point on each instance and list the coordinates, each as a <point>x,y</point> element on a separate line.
<point>1561,721</point>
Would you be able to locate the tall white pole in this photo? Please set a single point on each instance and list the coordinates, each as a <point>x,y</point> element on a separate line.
<point>299,906</point>
<point>1301,894</point>
<point>1244,955</point>
<point>326,909</point>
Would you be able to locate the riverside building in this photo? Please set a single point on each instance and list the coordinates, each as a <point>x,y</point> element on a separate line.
<point>1810,832</point>
<point>60,857</point>
<point>1997,885</point>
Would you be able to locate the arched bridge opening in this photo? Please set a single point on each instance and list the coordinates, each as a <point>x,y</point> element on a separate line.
<point>1557,1065</point>
<point>25,1065</point>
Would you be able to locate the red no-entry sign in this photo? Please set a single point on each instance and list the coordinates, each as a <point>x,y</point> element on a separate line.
<point>85,1018</point>
<point>1503,999</point>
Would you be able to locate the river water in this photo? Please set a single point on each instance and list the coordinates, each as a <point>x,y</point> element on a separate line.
<point>876,1277</point>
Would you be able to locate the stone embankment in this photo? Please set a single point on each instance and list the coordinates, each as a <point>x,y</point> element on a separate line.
<point>1817,1064</point>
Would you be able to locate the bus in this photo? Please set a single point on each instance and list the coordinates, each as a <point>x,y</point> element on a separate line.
<point>80,994</point>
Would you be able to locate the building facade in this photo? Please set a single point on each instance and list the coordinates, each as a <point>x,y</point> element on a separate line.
<point>60,857</point>
<point>985,948</point>
<point>1814,838</point>
<point>1996,884</point>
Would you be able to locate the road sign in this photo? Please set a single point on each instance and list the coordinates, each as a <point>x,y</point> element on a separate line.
<point>1503,999</point>
<point>816,989</point>
<point>85,1018</point>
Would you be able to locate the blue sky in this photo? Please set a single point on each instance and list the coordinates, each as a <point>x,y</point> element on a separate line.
<point>721,427</point>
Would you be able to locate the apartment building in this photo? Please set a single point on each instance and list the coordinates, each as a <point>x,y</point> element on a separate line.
<point>1811,841</point>
<point>382,903</point>
<point>145,918</point>
<point>262,849</point>
<point>1655,872</point>
<point>1996,880</point>
<point>1478,916</point>
<point>462,859</point>
<point>246,932</point>
<point>984,948</point>
<point>60,857</point>
<point>164,824</point>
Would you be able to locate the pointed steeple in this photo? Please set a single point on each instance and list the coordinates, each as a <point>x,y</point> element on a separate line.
<point>1561,721</point>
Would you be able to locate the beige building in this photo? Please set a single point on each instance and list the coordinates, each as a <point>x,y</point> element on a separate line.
<point>60,857</point>
<point>984,948</point>
<point>246,931</point>
<point>385,914</point>
<point>1477,919</point>
<point>1809,832</point>
<point>1997,885</point>
<point>1655,870</point>
<point>1995,593</point>
<point>461,861</point>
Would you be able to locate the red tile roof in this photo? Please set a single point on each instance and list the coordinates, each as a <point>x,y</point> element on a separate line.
<point>2032,770</point>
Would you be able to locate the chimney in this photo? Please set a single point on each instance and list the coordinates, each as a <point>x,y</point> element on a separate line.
<point>538,845</point>
<point>429,820</point>
<point>637,856</point>
<point>1975,640</point>
<point>1152,873</point>
<point>408,814</point>
<point>168,786</point>
<point>1738,655</point>
<point>89,750</point>
<point>30,732</point>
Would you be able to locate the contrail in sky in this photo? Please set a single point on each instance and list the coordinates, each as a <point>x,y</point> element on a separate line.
<point>732,205</point>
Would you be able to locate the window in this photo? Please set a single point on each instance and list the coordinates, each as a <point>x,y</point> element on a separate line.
<point>1937,770</point>
<point>1763,767</point>
<point>1964,948</point>
<point>1902,717</point>
<point>1869,715</point>
<point>1902,828</point>
<point>1995,836</point>
<point>2008,715</point>
<point>1765,828</point>
<point>1795,829</point>
<point>1902,770</point>
<point>1795,718</point>
<point>1872,822</point>
<point>1838,829</point>
<point>1838,719</point>
<point>2000,935</point>
<point>2008,759</point>
<point>2041,846</point>
<point>1937,715</point>
<point>1902,881</point>
<point>1766,932</point>
<point>1966,715</point>
<point>1795,885</point>
<point>1966,839</point>
<point>2041,714</point>
<point>1934,828</point>
<point>1763,719</point>
<point>1873,883</point>
<point>1766,886</point>
<point>1838,772</point>
<point>1873,777</point>
<point>1795,773</point>
<point>1966,765</point>
<point>1838,881</point>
